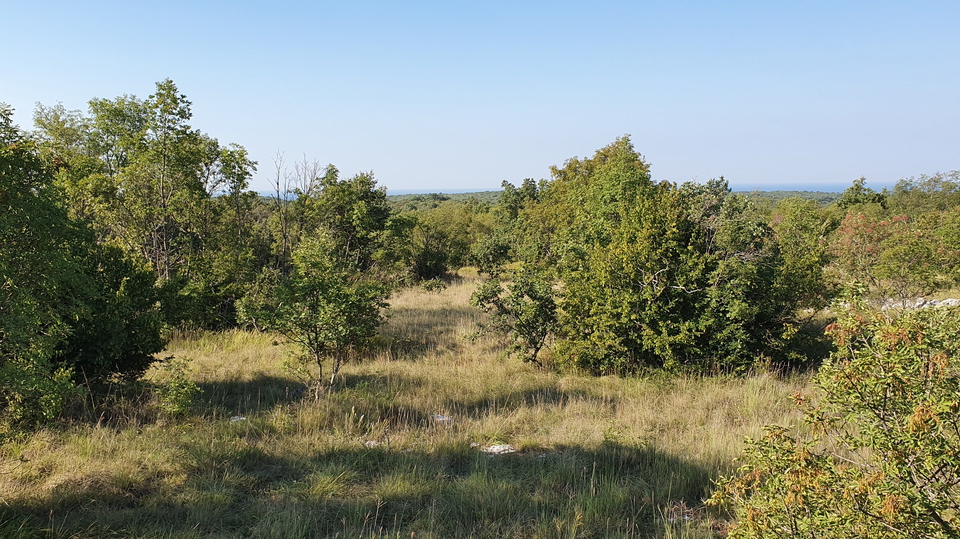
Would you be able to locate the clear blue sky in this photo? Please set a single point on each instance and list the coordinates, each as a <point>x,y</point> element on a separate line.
<point>454,95</point>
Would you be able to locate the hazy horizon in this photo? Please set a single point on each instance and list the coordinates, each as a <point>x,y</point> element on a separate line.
<point>437,96</point>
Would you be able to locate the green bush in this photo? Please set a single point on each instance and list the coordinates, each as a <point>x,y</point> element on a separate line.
<point>69,306</point>
<point>882,457</point>
<point>175,392</point>
<point>651,275</point>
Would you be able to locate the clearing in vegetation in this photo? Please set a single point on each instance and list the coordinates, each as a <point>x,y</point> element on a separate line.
<point>256,457</point>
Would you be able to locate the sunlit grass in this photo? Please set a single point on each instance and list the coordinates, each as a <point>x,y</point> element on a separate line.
<point>595,457</point>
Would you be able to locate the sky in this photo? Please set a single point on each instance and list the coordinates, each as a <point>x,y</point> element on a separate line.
<point>460,96</point>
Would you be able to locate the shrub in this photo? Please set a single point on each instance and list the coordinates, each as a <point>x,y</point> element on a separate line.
<point>883,455</point>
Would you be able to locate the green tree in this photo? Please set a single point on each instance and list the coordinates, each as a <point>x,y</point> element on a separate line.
<point>70,306</point>
<point>936,193</point>
<point>328,310</point>
<point>802,230</point>
<point>655,276</point>
<point>524,309</point>
<point>896,259</point>
<point>163,191</point>
<point>353,213</point>
<point>858,194</point>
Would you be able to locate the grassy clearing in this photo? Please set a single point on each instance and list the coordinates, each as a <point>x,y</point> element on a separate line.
<point>605,457</point>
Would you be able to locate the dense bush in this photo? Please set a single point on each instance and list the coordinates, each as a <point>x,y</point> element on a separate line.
<point>69,307</point>
<point>649,275</point>
<point>882,454</point>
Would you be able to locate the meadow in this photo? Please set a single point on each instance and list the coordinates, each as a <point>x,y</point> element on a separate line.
<point>400,449</point>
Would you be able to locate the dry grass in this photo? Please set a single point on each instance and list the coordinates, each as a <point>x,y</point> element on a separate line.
<point>596,457</point>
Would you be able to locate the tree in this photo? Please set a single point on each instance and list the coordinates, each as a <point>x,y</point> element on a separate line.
<point>882,457</point>
<point>936,193</point>
<point>145,180</point>
<point>896,259</point>
<point>70,307</point>
<point>655,276</point>
<point>801,230</point>
<point>857,194</point>
<point>524,309</point>
<point>353,213</point>
<point>330,302</point>
<point>328,310</point>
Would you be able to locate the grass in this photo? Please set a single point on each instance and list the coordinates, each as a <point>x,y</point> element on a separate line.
<point>595,457</point>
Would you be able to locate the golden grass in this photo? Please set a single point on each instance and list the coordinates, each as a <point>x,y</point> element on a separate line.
<point>596,457</point>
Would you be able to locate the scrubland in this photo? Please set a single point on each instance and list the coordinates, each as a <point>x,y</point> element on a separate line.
<point>397,449</point>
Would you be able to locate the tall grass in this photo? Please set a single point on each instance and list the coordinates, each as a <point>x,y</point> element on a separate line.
<point>595,457</point>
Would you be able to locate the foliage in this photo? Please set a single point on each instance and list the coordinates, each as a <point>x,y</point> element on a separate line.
<point>430,243</point>
<point>175,392</point>
<point>801,229</point>
<point>71,308</point>
<point>655,276</point>
<point>328,310</point>
<point>857,194</point>
<point>883,455</point>
<point>525,309</point>
<point>896,259</point>
<point>936,193</point>
<point>167,194</point>
<point>820,197</point>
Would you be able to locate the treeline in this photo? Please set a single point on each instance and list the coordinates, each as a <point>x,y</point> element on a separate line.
<point>624,274</point>
<point>123,221</point>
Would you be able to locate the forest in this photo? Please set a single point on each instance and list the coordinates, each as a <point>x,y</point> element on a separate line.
<point>349,363</point>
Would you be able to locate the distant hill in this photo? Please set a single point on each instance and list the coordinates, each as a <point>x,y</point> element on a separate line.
<point>425,201</point>
<point>823,198</point>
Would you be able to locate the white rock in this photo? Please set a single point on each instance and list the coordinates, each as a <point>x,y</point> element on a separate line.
<point>499,449</point>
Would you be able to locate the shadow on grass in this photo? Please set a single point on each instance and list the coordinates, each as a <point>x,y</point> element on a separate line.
<point>450,491</point>
<point>410,333</point>
<point>241,398</point>
<point>239,481</point>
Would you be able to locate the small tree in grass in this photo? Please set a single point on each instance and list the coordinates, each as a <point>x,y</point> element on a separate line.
<point>327,309</point>
<point>525,310</point>
<point>883,455</point>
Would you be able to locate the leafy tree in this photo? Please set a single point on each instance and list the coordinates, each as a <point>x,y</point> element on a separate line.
<point>524,309</point>
<point>330,311</point>
<point>655,276</point>
<point>353,213</point>
<point>936,193</point>
<point>163,191</point>
<point>802,231</point>
<point>437,240</point>
<point>70,306</point>
<point>881,457</point>
<point>893,259</point>
<point>857,194</point>
<point>330,300</point>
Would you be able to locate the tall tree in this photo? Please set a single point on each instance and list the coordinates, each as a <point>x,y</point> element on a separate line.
<point>163,191</point>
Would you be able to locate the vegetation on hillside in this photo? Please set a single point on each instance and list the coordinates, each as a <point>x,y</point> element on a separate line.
<point>123,226</point>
